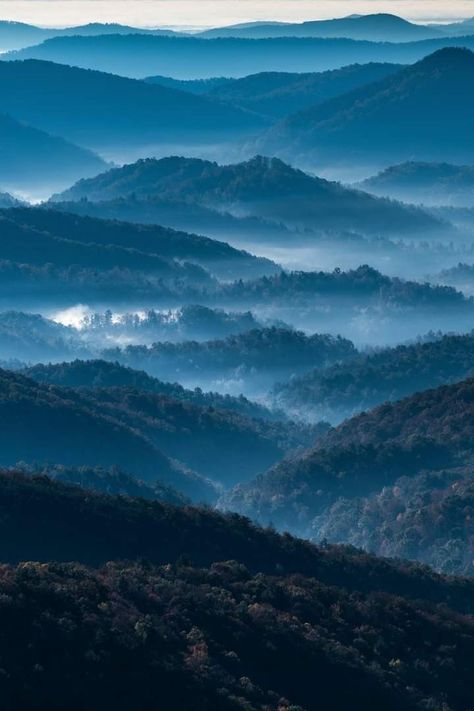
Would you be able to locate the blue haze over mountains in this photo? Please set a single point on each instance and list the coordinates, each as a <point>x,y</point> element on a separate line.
<point>237,366</point>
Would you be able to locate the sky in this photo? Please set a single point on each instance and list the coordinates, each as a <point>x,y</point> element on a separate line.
<point>194,13</point>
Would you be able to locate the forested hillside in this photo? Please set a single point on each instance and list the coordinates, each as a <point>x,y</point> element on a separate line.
<point>430,431</point>
<point>344,389</point>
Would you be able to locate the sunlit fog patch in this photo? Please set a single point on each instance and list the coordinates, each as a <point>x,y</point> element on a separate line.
<point>75,316</point>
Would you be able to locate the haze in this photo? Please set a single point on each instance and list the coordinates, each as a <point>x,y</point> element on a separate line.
<point>149,13</point>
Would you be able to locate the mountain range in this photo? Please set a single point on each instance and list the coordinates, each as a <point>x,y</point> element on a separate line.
<point>257,357</point>
<point>262,187</point>
<point>149,434</point>
<point>16,35</point>
<point>377,27</point>
<point>277,94</point>
<point>140,56</point>
<point>86,107</point>
<point>380,27</point>
<point>390,119</point>
<point>89,242</point>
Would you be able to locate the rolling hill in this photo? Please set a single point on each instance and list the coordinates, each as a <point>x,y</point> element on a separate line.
<point>44,424</point>
<point>106,244</point>
<point>218,444</point>
<point>31,159</point>
<point>369,125</point>
<point>279,94</point>
<point>261,187</point>
<point>87,107</point>
<point>18,35</point>
<point>428,183</point>
<point>107,374</point>
<point>380,27</point>
<point>259,355</point>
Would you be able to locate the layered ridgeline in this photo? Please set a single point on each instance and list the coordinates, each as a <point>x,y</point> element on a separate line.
<point>44,424</point>
<point>427,183</point>
<point>16,35</point>
<point>429,432</point>
<point>108,374</point>
<point>112,481</point>
<point>32,159</point>
<point>87,107</point>
<point>254,359</point>
<point>375,27</point>
<point>368,380</point>
<point>33,337</point>
<point>390,120</point>
<point>360,303</point>
<point>277,94</point>
<point>390,635</point>
<point>145,431</point>
<point>193,57</point>
<point>380,27</point>
<point>90,258</point>
<point>261,188</point>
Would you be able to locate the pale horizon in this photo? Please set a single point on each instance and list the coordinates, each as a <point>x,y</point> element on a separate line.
<point>188,14</point>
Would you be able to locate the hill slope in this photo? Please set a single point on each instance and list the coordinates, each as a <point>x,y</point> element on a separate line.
<point>87,107</point>
<point>277,94</point>
<point>30,158</point>
<point>107,243</point>
<point>220,444</point>
<point>198,638</point>
<point>259,355</point>
<point>18,35</point>
<point>389,374</point>
<point>369,124</point>
<point>106,374</point>
<point>261,187</point>
<point>428,183</point>
<point>432,430</point>
<point>46,424</point>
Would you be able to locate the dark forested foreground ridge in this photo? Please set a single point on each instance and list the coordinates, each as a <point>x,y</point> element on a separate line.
<point>217,636</point>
